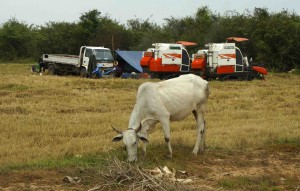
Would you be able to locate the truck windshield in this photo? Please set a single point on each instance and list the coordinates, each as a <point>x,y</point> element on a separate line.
<point>103,55</point>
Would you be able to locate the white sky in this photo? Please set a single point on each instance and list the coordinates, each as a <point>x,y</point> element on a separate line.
<point>41,11</point>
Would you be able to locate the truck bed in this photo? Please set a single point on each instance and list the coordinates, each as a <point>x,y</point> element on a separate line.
<point>61,58</point>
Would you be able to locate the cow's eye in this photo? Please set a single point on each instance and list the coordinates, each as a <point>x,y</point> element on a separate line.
<point>134,143</point>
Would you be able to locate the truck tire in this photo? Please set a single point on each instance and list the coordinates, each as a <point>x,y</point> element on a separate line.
<point>51,70</point>
<point>83,72</point>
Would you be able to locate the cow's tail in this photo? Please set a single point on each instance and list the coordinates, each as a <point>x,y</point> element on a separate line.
<point>207,92</point>
<point>206,95</point>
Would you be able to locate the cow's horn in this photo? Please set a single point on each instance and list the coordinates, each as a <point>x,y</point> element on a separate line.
<point>138,129</point>
<point>118,131</point>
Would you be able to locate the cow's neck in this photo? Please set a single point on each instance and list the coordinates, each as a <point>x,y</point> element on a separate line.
<point>135,119</point>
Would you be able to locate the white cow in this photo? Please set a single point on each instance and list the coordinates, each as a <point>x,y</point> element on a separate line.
<point>170,100</point>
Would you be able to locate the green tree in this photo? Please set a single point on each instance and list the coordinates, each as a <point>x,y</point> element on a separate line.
<point>90,22</point>
<point>196,28</point>
<point>144,33</point>
<point>273,37</point>
<point>60,37</point>
<point>103,31</point>
<point>111,35</point>
<point>16,40</point>
<point>276,39</point>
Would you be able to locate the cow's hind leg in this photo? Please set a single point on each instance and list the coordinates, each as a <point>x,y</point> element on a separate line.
<point>167,134</point>
<point>201,130</point>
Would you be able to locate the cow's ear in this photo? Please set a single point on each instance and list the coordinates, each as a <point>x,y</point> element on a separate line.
<point>117,138</point>
<point>142,138</point>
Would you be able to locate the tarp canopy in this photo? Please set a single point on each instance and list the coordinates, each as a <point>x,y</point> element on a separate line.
<point>129,60</point>
<point>185,43</point>
<point>237,39</point>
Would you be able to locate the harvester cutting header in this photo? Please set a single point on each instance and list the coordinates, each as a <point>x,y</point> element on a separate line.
<point>218,61</point>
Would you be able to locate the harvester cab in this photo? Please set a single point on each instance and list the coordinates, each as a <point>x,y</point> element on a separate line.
<point>225,58</point>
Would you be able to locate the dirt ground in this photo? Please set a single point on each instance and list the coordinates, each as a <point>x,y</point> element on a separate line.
<point>273,168</point>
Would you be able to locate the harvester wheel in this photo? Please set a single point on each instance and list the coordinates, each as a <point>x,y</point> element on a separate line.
<point>256,75</point>
<point>250,77</point>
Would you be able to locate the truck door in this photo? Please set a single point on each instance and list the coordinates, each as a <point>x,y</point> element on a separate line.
<point>86,57</point>
<point>81,55</point>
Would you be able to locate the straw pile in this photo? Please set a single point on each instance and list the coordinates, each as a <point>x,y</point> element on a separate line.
<point>120,175</point>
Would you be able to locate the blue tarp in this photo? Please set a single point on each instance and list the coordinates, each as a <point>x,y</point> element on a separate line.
<point>132,58</point>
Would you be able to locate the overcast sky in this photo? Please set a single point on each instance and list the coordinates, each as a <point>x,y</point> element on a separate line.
<point>39,12</point>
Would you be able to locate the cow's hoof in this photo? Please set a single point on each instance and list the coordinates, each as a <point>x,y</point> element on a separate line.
<point>201,151</point>
<point>168,156</point>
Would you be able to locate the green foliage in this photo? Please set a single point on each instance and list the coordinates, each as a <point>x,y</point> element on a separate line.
<point>295,71</point>
<point>101,30</point>
<point>292,142</point>
<point>67,161</point>
<point>91,22</point>
<point>276,39</point>
<point>60,38</point>
<point>248,183</point>
<point>144,34</point>
<point>16,39</point>
<point>273,37</point>
<point>13,87</point>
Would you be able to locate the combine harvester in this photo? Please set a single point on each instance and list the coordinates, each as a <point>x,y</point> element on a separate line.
<point>219,61</point>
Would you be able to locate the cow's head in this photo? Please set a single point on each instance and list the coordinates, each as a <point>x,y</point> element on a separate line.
<point>130,139</point>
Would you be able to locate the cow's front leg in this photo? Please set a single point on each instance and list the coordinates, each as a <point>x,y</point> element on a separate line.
<point>145,148</point>
<point>169,147</point>
<point>167,134</point>
<point>145,135</point>
<point>146,127</point>
<point>145,144</point>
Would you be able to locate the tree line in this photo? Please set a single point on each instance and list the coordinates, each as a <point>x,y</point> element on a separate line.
<point>274,36</point>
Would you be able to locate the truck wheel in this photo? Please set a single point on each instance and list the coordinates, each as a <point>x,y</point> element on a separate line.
<point>83,72</point>
<point>51,70</point>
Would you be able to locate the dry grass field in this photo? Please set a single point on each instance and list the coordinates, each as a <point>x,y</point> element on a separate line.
<point>51,125</point>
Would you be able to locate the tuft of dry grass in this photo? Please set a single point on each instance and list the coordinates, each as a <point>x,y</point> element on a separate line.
<point>51,117</point>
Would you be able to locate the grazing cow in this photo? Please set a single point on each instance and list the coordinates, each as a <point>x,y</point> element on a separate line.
<point>169,100</point>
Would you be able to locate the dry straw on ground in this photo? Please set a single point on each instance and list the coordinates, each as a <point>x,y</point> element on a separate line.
<point>52,117</point>
<point>126,176</point>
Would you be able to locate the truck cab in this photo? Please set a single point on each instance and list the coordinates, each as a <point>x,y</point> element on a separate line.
<point>103,56</point>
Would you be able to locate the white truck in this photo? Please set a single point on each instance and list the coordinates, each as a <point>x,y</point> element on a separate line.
<point>63,63</point>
